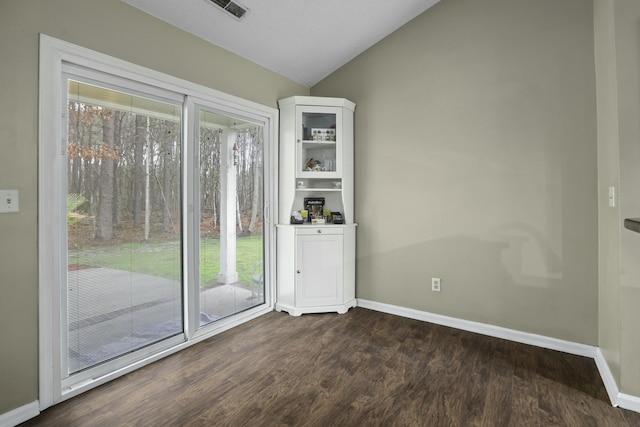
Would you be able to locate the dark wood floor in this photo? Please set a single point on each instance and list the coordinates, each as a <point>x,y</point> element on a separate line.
<point>362,368</point>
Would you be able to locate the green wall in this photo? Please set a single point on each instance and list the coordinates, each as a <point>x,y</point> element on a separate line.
<point>476,163</point>
<point>113,28</point>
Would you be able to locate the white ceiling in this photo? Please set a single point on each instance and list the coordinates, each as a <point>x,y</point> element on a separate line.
<point>304,40</point>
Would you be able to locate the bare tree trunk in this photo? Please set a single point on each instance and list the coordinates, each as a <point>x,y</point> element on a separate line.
<point>74,138</point>
<point>119,117</point>
<point>215,177</point>
<point>239,217</point>
<point>138,174</point>
<point>87,181</point>
<point>147,187</point>
<point>215,212</point>
<point>166,175</point>
<point>256,166</point>
<point>104,223</point>
<point>255,199</point>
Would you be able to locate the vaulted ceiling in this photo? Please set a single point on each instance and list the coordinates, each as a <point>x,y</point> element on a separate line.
<point>304,40</point>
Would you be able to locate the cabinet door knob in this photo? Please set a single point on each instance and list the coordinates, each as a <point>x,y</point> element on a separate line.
<point>319,231</point>
<point>298,271</point>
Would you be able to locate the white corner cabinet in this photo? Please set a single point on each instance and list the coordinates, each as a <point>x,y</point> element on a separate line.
<point>316,232</point>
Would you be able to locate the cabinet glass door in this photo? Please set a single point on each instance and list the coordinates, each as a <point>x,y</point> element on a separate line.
<point>319,138</point>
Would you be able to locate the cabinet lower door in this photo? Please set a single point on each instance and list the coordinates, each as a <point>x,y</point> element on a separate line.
<point>319,278</point>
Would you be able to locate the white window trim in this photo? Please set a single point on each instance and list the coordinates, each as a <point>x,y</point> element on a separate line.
<point>53,53</point>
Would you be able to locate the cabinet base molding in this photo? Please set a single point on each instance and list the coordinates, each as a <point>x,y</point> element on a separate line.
<point>297,311</point>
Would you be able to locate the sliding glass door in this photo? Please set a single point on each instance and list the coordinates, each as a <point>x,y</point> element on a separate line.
<point>136,280</point>
<point>154,225</point>
<point>123,220</point>
<point>230,215</point>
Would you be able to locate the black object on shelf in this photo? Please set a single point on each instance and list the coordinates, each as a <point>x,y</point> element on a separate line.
<point>315,206</point>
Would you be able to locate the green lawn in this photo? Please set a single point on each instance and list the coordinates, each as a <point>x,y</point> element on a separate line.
<point>163,259</point>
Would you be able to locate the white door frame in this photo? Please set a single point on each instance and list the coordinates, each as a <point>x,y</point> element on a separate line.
<point>53,54</point>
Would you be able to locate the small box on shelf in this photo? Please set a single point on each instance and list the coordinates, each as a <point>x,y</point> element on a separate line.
<point>296,217</point>
<point>315,207</point>
<point>323,134</point>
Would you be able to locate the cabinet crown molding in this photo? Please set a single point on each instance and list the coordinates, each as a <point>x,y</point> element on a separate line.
<point>317,101</point>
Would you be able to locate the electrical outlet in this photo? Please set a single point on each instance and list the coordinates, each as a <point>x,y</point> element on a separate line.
<point>435,284</point>
<point>9,201</point>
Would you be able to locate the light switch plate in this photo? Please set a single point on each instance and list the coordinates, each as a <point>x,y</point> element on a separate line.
<point>9,201</point>
<point>612,197</point>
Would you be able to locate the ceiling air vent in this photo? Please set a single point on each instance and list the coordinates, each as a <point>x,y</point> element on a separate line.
<point>231,7</point>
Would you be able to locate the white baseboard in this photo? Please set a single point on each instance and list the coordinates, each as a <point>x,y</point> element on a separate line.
<point>607,377</point>
<point>629,402</point>
<point>621,400</point>
<point>484,329</point>
<point>20,415</point>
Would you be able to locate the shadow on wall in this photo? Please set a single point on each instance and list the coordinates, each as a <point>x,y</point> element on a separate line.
<point>484,279</point>
<point>530,257</point>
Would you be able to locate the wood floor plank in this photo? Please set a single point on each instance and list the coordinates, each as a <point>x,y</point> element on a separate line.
<point>362,368</point>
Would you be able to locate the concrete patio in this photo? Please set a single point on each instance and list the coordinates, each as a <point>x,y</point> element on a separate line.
<point>112,312</point>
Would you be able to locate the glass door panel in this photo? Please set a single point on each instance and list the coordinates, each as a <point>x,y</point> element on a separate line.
<point>123,221</point>
<point>318,156</point>
<point>231,246</point>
